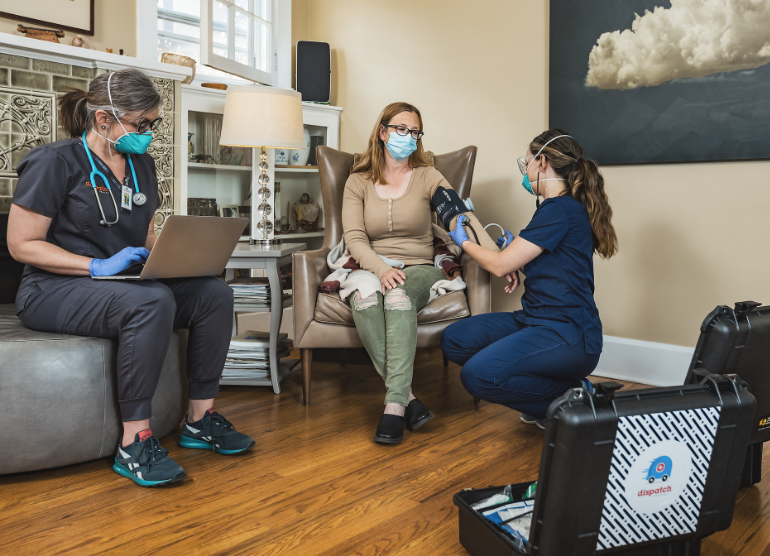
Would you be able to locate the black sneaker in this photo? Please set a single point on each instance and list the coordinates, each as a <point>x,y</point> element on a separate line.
<point>417,414</point>
<point>390,429</point>
<point>147,463</point>
<point>214,432</point>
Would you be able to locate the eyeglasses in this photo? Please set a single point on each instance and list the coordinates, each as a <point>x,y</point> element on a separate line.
<point>404,131</point>
<point>144,126</point>
<point>522,161</point>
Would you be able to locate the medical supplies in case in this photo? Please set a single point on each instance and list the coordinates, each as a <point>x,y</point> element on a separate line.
<point>638,473</point>
<point>738,341</point>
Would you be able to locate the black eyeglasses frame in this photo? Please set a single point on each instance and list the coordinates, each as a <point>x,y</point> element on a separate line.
<point>411,132</point>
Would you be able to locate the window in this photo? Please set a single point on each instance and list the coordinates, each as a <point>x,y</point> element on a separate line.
<point>235,36</point>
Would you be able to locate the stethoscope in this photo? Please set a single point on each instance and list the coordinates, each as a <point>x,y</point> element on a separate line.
<point>139,198</point>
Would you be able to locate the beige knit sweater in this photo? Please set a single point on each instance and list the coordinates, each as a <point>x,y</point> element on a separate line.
<point>395,228</point>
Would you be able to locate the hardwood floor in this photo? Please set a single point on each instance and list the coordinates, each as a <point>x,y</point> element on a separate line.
<point>315,484</point>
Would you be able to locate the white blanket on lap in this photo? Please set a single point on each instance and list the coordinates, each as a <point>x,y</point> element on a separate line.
<point>367,282</point>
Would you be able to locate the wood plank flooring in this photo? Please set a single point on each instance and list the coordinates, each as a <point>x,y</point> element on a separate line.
<point>315,484</point>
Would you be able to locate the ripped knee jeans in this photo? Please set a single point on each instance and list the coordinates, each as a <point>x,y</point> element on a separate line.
<point>387,327</point>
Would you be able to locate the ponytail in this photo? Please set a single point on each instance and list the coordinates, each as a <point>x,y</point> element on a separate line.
<point>585,183</point>
<point>73,112</point>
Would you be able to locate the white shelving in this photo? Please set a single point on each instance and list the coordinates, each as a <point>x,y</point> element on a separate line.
<point>231,185</point>
<point>290,237</point>
<point>221,167</point>
<point>297,170</point>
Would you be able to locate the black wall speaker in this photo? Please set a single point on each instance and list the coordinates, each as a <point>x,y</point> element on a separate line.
<point>314,70</point>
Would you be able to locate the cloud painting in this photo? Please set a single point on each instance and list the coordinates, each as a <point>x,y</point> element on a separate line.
<point>652,81</point>
<point>692,38</point>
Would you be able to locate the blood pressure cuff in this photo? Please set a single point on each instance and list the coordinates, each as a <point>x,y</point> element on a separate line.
<point>447,204</point>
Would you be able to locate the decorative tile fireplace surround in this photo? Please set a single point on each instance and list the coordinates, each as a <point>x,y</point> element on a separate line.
<point>34,74</point>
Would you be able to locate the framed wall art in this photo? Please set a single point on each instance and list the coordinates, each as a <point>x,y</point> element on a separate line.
<point>70,15</point>
<point>654,81</point>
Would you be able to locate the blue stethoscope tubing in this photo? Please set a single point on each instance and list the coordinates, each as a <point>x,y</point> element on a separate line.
<point>92,176</point>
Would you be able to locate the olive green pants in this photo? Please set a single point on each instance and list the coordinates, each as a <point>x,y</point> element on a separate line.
<point>388,328</point>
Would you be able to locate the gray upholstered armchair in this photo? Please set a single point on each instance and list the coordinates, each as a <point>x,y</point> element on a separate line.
<point>323,320</point>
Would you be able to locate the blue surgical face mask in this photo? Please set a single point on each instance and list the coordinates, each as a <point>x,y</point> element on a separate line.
<point>401,147</point>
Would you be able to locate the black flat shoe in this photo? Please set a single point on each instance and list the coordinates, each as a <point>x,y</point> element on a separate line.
<point>390,430</point>
<point>417,414</point>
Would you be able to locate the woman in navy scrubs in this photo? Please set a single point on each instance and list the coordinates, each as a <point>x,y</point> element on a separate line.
<point>527,358</point>
<point>85,207</point>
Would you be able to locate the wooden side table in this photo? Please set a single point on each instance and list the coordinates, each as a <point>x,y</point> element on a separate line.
<point>270,258</point>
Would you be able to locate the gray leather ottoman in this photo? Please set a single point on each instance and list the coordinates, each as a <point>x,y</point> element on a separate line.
<point>58,396</point>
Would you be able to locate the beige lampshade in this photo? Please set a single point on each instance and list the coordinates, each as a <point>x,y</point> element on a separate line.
<point>262,117</point>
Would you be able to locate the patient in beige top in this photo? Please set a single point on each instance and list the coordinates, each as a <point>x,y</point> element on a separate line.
<point>386,212</point>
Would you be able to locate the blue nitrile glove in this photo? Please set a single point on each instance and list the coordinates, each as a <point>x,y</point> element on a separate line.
<point>119,262</point>
<point>458,235</point>
<point>503,242</point>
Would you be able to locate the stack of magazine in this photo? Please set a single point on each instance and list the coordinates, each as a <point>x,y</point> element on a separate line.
<point>252,291</point>
<point>249,355</point>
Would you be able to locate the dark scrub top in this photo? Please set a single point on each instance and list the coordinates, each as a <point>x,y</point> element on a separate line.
<point>54,180</point>
<point>559,284</point>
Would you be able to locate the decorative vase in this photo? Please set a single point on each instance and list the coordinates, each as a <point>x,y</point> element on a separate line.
<point>299,157</point>
<point>180,60</point>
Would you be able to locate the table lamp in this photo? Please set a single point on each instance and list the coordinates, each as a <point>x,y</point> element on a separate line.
<point>266,118</point>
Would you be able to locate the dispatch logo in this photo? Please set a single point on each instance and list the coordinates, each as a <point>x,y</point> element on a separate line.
<point>99,188</point>
<point>654,491</point>
<point>659,476</point>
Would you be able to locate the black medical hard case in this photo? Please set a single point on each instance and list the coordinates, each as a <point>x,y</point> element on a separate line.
<point>639,473</point>
<point>738,341</point>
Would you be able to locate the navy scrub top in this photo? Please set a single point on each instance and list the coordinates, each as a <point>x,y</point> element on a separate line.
<point>559,284</point>
<point>54,180</point>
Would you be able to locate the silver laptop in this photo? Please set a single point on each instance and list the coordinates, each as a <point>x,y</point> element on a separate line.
<point>188,246</point>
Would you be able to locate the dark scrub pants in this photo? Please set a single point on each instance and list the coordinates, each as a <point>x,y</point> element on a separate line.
<point>522,367</point>
<point>526,359</point>
<point>54,180</point>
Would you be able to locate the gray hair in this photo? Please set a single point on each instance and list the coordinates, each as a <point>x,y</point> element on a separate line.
<point>132,92</point>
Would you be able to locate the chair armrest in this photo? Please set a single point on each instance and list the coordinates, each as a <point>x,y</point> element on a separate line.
<point>308,271</point>
<point>479,286</point>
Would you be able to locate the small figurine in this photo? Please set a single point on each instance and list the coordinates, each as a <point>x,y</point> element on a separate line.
<point>82,42</point>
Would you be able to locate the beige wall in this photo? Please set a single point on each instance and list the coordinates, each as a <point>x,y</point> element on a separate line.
<point>692,236</point>
<point>114,26</point>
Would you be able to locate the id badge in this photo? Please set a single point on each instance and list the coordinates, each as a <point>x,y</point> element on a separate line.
<point>125,200</point>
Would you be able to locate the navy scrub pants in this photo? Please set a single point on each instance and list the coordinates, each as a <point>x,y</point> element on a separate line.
<point>141,315</point>
<point>522,367</point>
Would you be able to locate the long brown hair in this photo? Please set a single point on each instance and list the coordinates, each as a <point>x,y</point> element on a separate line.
<point>373,158</point>
<point>132,91</point>
<point>584,183</point>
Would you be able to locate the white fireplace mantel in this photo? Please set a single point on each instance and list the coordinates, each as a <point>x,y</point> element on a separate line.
<point>72,55</point>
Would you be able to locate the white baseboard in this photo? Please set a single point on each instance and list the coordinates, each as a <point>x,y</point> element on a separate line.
<point>645,362</point>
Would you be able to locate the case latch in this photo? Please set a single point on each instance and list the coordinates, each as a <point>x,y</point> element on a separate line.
<point>743,308</point>
<point>605,391</point>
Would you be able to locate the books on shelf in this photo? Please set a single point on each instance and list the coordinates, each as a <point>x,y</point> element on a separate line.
<point>249,354</point>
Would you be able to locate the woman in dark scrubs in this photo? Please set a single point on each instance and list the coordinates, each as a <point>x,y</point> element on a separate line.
<point>528,358</point>
<point>85,207</point>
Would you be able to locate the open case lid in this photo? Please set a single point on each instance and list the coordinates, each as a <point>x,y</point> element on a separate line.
<point>627,469</point>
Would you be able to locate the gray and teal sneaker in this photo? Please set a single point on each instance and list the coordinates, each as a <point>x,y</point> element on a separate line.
<point>532,420</point>
<point>214,432</point>
<point>146,462</point>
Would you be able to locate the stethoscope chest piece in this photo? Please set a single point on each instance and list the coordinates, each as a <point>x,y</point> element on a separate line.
<point>140,199</point>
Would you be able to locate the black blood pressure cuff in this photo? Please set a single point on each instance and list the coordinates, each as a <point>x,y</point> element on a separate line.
<point>447,204</point>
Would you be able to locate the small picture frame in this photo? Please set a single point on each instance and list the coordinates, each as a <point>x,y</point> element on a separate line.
<point>228,211</point>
